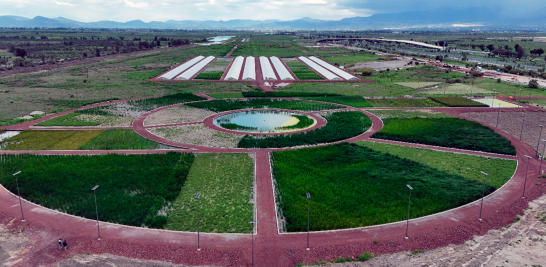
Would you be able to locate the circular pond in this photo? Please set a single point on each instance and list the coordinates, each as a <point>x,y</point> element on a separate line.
<point>264,121</point>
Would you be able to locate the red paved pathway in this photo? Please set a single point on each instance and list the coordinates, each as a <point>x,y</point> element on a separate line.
<point>272,248</point>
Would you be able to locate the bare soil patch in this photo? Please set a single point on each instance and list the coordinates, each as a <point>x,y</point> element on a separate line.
<point>180,114</point>
<point>199,135</point>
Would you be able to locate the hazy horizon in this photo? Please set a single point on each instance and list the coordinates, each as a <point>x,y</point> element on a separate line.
<point>164,10</point>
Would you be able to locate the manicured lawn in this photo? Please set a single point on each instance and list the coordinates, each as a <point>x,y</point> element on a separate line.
<point>385,102</point>
<point>354,186</point>
<point>114,139</point>
<point>409,114</point>
<point>340,126</point>
<point>225,105</point>
<point>446,132</point>
<point>133,188</point>
<point>301,71</point>
<point>226,95</point>
<point>50,140</point>
<point>353,101</point>
<point>225,182</point>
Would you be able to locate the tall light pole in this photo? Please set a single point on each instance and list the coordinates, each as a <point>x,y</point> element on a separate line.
<point>253,224</point>
<point>539,136</point>
<point>94,189</point>
<point>19,194</point>
<point>409,201</point>
<point>542,158</point>
<point>498,115</point>
<point>308,200</point>
<point>197,198</point>
<point>526,172</point>
<point>523,122</point>
<point>483,193</point>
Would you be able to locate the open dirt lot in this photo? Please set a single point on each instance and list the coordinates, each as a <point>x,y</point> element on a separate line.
<point>180,114</point>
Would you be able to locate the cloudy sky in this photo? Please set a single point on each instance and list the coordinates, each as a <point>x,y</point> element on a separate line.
<point>163,10</point>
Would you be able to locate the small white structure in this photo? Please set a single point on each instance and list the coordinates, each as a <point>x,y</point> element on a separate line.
<point>267,70</point>
<point>186,75</point>
<point>334,69</point>
<point>235,69</point>
<point>322,71</point>
<point>172,73</point>
<point>249,73</point>
<point>281,69</point>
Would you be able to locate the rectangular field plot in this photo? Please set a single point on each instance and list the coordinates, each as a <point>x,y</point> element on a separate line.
<point>417,85</point>
<point>49,140</point>
<point>214,71</point>
<point>457,89</point>
<point>301,71</point>
<point>354,186</point>
<point>225,182</point>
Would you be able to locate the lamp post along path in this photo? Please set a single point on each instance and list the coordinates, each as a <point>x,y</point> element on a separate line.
<point>197,198</point>
<point>539,136</point>
<point>526,173</point>
<point>409,201</point>
<point>483,193</point>
<point>94,189</point>
<point>542,158</point>
<point>19,194</point>
<point>308,200</point>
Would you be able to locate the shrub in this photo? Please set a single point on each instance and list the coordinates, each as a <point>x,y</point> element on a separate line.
<point>367,71</point>
<point>533,84</point>
<point>365,256</point>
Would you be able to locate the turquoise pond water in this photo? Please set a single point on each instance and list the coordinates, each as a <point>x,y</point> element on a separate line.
<point>259,121</point>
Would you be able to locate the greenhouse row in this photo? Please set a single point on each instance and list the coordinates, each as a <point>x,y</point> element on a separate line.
<point>334,69</point>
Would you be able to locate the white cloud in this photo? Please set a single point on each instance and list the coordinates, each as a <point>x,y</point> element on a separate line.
<point>64,3</point>
<point>314,2</point>
<point>137,5</point>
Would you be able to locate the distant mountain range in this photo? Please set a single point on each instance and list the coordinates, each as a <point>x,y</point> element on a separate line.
<point>437,18</point>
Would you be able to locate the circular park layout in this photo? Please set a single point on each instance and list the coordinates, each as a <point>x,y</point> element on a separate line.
<point>376,180</point>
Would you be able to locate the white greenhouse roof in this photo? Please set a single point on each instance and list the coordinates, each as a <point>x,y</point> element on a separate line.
<point>267,70</point>
<point>186,75</point>
<point>334,69</point>
<point>235,69</point>
<point>181,68</point>
<point>322,71</point>
<point>250,69</point>
<point>281,69</point>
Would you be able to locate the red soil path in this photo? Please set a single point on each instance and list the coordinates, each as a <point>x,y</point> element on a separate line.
<point>271,248</point>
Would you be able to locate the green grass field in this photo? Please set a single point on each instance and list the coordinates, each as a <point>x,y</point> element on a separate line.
<point>354,186</point>
<point>301,71</point>
<point>49,140</point>
<point>385,102</point>
<point>340,126</point>
<point>225,105</point>
<point>457,89</point>
<point>133,188</point>
<point>71,119</point>
<point>226,95</point>
<point>446,132</point>
<point>117,139</point>
<point>417,85</point>
<point>225,182</point>
<point>457,101</point>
